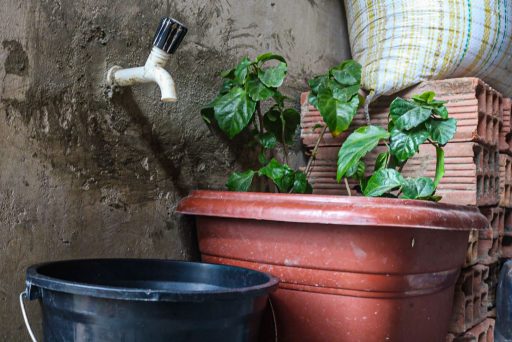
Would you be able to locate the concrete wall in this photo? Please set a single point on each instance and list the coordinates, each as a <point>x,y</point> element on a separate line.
<point>85,176</point>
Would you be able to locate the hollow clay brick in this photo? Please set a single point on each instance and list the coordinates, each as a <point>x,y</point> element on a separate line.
<point>470,299</point>
<point>471,172</point>
<point>505,136</point>
<point>477,107</point>
<point>483,332</point>
<point>496,218</point>
<point>489,239</point>
<point>472,252</point>
<point>489,247</point>
<point>450,338</point>
<point>505,180</point>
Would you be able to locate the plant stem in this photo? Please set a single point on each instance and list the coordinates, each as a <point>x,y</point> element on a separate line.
<point>260,117</point>
<point>260,121</point>
<point>307,171</point>
<point>347,186</point>
<point>433,143</point>
<point>388,158</point>
<point>284,143</point>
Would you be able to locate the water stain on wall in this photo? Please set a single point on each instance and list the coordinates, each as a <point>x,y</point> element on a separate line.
<point>17,60</point>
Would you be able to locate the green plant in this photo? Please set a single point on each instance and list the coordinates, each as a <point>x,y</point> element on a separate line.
<point>411,123</point>
<point>336,95</point>
<point>249,100</point>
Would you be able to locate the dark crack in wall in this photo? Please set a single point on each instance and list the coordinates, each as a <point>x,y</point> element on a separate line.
<point>82,175</point>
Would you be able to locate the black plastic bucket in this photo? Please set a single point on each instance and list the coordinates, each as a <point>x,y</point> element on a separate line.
<point>148,300</point>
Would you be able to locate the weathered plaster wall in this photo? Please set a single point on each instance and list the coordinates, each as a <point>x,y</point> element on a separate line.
<point>85,176</point>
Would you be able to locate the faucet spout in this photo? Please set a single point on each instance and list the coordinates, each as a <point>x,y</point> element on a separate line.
<point>152,71</point>
<point>166,84</point>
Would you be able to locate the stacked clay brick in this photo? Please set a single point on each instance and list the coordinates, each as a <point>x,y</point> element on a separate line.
<point>506,177</point>
<point>478,171</point>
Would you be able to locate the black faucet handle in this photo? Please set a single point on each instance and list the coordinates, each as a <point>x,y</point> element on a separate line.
<point>169,35</point>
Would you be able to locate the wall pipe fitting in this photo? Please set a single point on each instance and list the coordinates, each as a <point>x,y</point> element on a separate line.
<point>168,37</point>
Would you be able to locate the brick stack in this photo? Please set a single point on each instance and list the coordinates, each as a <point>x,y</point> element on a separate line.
<point>478,171</point>
<point>506,178</point>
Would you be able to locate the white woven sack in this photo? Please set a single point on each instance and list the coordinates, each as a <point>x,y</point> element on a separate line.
<point>401,43</point>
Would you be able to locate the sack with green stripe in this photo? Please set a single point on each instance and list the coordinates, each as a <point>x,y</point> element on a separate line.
<point>400,43</point>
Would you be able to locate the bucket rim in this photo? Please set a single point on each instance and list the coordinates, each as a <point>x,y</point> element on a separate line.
<point>36,282</point>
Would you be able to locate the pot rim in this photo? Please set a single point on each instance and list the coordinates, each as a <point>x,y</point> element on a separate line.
<point>330,209</point>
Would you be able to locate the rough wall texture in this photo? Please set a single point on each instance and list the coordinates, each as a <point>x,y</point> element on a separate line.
<point>85,176</point>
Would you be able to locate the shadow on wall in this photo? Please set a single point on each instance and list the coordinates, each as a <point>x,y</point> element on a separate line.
<point>127,101</point>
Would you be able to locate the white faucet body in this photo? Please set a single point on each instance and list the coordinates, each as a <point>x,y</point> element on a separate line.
<point>152,71</point>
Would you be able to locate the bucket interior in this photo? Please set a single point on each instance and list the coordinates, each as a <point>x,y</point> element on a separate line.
<point>163,275</point>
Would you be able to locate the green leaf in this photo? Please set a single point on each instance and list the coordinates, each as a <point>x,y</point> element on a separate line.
<point>281,174</point>
<point>393,163</point>
<point>228,74</point>
<point>356,171</point>
<point>418,188</point>
<point>240,181</point>
<point>269,56</point>
<point>242,70</point>
<point>234,111</point>
<point>442,131</point>
<point>317,126</point>
<point>381,161</point>
<point>227,85</point>
<point>403,145</point>
<point>437,103</point>
<point>279,98</point>
<point>433,198</point>
<point>313,100</point>
<point>316,83</point>
<point>267,140</point>
<point>427,100</point>
<point>257,90</point>
<point>407,114</point>
<point>337,115</point>
<point>273,77</point>
<point>441,111</point>
<point>300,184</point>
<point>357,145</point>
<point>208,113</point>
<point>363,182</point>
<point>383,181</point>
<point>282,124</point>
<point>348,73</point>
<point>439,165</point>
<point>345,94</point>
<point>262,158</point>
<point>427,97</point>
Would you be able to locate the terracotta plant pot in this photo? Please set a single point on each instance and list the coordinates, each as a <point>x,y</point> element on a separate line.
<point>351,268</point>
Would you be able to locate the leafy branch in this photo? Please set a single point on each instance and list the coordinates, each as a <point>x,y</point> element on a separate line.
<point>239,107</point>
<point>411,123</point>
<point>336,96</point>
